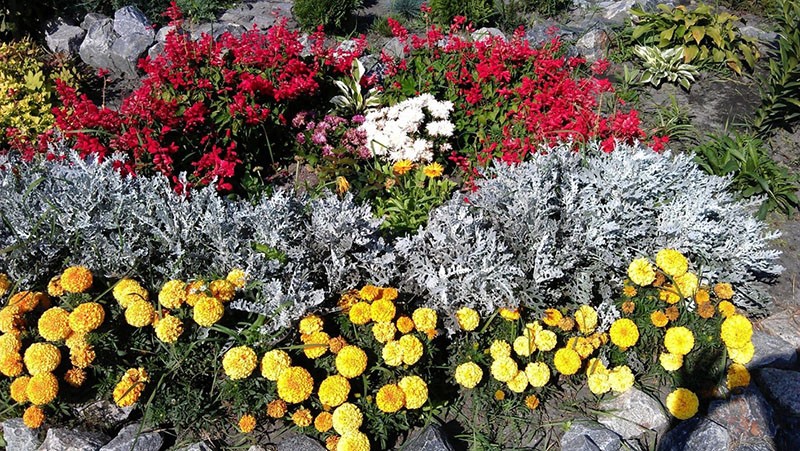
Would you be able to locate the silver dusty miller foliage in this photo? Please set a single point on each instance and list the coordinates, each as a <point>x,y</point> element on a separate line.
<point>297,251</point>
<point>562,228</point>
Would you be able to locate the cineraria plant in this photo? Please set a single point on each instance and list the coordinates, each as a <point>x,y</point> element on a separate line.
<point>561,228</point>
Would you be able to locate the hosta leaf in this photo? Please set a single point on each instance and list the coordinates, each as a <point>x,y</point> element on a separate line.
<point>698,33</point>
<point>689,53</point>
<point>715,34</point>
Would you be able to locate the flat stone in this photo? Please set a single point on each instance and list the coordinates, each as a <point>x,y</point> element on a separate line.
<point>298,442</point>
<point>782,387</point>
<point>60,439</point>
<point>747,417</point>
<point>65,39</point>
<point>131,20</point>
<point>485,33</point>
<point>104,413</point>
<point>129,438</point>
<point>771,351</point>
<point>585,435</point>
<point>696,434</point>
<point>127,50</point>
<point>785,325</point>
<point>432,438</point>
<point>594,45</point>
<point>19,437</point>
<point>95,50</point>
<point>633,413</point>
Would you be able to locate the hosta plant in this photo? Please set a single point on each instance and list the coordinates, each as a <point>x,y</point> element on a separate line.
<point>354,98</point>
<point>666,64</point>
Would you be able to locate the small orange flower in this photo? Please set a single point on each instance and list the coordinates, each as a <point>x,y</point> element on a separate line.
<point>706,310</point>
<point>672,313</point>
<point>532,401</point>
<point>628,307</point>
<point>659,319</point>
<point>402,167</point>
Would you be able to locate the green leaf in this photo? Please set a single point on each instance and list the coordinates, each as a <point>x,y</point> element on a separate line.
<point>715,34</point>
<point>689,53</point>
<point>698,33</point>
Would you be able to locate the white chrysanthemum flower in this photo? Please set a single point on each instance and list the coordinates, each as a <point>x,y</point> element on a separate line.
<point>440,128</point>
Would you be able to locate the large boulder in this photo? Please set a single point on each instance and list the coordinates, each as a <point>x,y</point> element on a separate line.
<point>61,439</point>
<point>297,442</point>
<point>632,414</point>
<point>589,436</point>
<point>594,45</point>
<point>782,387</point>
<point>19,437</point>
<point>127,50</point>
<point>131,20</point>
<point>95,50</point>
<point>697,434</point>
<point>129,438</point>
<point>747,417</point>
<point>65,39</point>
<point>771,351</point>
<point>432,438</point>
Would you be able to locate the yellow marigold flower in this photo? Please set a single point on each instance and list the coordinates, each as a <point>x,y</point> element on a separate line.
<point>659,318</point>
<point>621,379</point>
<point>412,349</point>
<point>127,291</point>
<point>679,340</point>
<point>316,345</point>
<point>390,398</point>
<point>75,377</point>
<point>54,287</point>
<point>76,341</point>
<point>402,167</point>
<point>672,312</point>
<point>545,340</point>
<point>33,417</point>
<point>567,361</point>
<point>276,408</point>
<point>273,363</point>
<point>425,319</point>
<point>433,170</point>
<point>504,369</point>
<point>726,308</point>
<point>629,291</point>
<point>702,297</point>
<point>742,355</point>
<point>369,293</point>
<point>518,383</point>
<point>724,291</point>
<point>552,317</point>
<point>42,388</point>
<point>538,374</point>
<point>342,185</point>
<point>86,317</point>
<point>237,277</point>
<point>169,328</point>
<point>323,422</point>
<point>738,376</point>
<point>586,318</point>
<point>706,310</point>
<point>468,374</point>
<point>139,313</point>
<point>599,383</point>
<point>310,324</point>
<point>353,441</point>
<point>334,390</point>
<point>302,418</point>
<point>682,403</point>
<point>510,314</point>
<point>5,284</point>
<point>687,284</point>
<point>351,361</point>
<point>11,364</point>
<point>26,300</point>
<point>388,294</point>
<point>360,313</point>
<point>581,345</point>
<point>172,294</point>
<point>670,362</point>
<point>500,348</point>
<point>628,307</point>
<point>295,384</point>
<point>10,319</point>
<point>524,346</point>
<point>595,366</point>
<point>9,344</point>
<point>42,358</point>
<point>17,389</point>
<point>54,324</point>
<point>532,402</point>
<point>392,353</point>
<point>76,279</point>
<point>222,289</point>
<point>382,310</point>
<point>336,344</point>
<point>384,331</point>
<point>405,324</point>
<point>347,300</point>
<point>130,387</point>
<point>499,395</point>
<point>669,294</point>
<point>332,442</point>
<point>415,390</point>
<point>82,356</point>
<point>195,291</point>
<point>347,418</point>
<point>672,262</point>
<point>207,311</point>
<point>641,272</point>
<point>239,362</point>
<point>736,331</point>
<point>468,319</point>
<point>247,423</point>
<point>624,333</point>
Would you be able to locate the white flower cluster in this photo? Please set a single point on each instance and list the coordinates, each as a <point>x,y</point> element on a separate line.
<point>411,130</point>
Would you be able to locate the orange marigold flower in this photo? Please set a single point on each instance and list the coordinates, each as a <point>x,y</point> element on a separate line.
<point>76,279</point>
<point>247,423</point>
<point>276,408</point>
<point>672,313</point>
<point>302,418</point>
<point>532,402</point>
<point>659,318</point>
<point>75,377</point>
<point>706,310</point>
<point>33,417</point>
<point>405,324</point>
<point>86,317</point>
<point>628,307</point>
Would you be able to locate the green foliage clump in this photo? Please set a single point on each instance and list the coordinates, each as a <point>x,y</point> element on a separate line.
<point>478,12</point>
<point>408,9</point>
<point>745,158</point>
<point>704,36</point>
<point>331,14</point>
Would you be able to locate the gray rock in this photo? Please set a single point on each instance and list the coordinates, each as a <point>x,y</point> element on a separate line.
<point>771,351</point>
<point>65,39</point>
<point>217,29</point>
<point>594,45</point>
<point>696,434</point>
<point>95,49</point>
<point>633,413</point>
<point>161,34</point>
<point>758,445</point>
<point>785,325</point>
<point>484,33</point>
<point>127,50</point>
<point>155,50</point>
<point>59,439</point>
<point>747,417</point>
<point>199,446</point>
<point>755,32</point>
<point>789,434</point>
<point>92,18</point>
<point>104,413</point>
<point>616,11</point>
<point>256,448</point>
<point>19,437</point>
<point>432,438</point>
<point>129,438</point>
<point>394,48</point>
<point>782,387</point>
<point>297,442</point>
<point>131,20</point>
<point>544,31</point>
<point>584,435</point>
<point>260,14</point>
